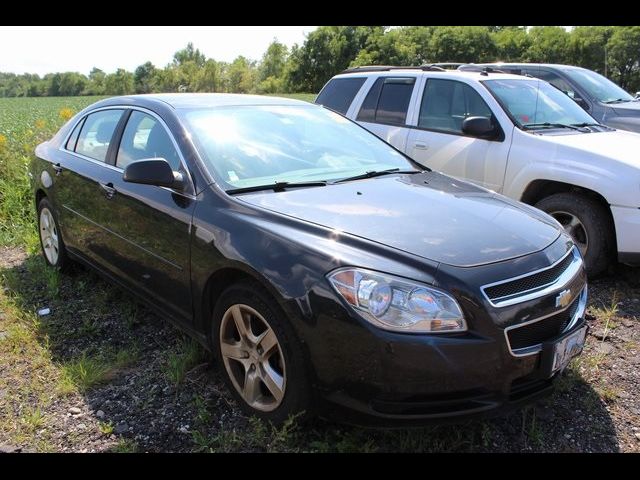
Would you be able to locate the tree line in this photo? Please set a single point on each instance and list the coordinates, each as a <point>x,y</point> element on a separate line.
<point>612,51</point>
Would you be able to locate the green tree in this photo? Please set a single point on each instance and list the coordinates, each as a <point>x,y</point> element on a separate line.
<point>241,76</point>
<point>462,44</point>
<point>511,43</point>
<point>95,85</point>
<point>143,78</point>
<point>623,50</point>
<point>587,47</point>
<point>548,45</point>
<point>271,69</point>
<point>189,54</point>
<point>119,83</point>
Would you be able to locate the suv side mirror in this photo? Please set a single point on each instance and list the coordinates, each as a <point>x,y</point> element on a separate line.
<point>580,101</point>
<point>481,127</point>
<point>153,171</point>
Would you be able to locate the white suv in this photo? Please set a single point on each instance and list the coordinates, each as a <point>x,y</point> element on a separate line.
<point>515,135</point>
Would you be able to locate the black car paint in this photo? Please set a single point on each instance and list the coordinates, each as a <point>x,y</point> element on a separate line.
<point>179,250</point>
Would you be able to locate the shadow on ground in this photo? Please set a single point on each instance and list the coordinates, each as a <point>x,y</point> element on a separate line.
<point>137,384</point>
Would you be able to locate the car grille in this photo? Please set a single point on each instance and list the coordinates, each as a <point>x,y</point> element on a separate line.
<point>531,282</point>
<point>537,332</point>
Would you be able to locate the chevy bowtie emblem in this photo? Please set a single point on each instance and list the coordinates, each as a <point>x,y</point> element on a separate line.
<point>563,298</point>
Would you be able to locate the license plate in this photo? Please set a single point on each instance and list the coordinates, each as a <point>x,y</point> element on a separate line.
<point>567,348</point>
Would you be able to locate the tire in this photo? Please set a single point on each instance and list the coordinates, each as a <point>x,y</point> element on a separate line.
<point>285,360</point>
<point>53,248</point>
<point>593,233</point>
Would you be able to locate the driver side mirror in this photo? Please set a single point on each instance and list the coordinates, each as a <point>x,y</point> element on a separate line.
<point>153,171</point>
<point>481,127</point>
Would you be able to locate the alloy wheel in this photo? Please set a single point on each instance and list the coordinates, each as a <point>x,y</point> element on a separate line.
<point>252,357</point>
<point>574,227</point>
<point>49,236</point>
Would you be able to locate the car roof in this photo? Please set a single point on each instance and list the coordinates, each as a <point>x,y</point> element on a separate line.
<point>524,65</point>
<point>434,74</point>
<point>201,100</point>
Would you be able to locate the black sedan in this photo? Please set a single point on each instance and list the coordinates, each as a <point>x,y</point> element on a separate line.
<point>326,271</point>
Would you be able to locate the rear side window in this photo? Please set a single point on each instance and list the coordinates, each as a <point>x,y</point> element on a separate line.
<point>388,101</point>
<point>339,93</point>
<point>446,103</point>
<point>73,139</point>
<point>96,134</point>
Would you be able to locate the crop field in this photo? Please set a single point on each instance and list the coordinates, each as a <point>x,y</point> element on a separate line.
<point>101,373</point>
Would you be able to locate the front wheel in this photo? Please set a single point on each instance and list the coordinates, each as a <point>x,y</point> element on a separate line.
<point>53,249</point>
<point>588,223</point>
<point>259,355</point>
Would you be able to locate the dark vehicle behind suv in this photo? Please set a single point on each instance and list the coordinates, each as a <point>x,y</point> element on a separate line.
<point>604,100</point>
<point>324,269</point>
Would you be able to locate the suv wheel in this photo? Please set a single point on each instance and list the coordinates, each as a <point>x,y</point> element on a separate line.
<point>587,221</point>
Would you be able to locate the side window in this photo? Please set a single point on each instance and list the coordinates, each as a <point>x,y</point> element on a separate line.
<point>145,137</point>
<point>558,82</point>
<point>96,134</point>
<point>339,93</point>
<point>73,139</point>
<point>446,103</point>
<point>388,101</point>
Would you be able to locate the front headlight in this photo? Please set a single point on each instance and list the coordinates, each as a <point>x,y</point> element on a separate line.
<point>397,304</point>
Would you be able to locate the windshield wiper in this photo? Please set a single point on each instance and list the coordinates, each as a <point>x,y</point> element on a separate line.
<point>594,124</point>
<point>618,100</point>
<point>530,126</point>
<point>277,186</point>
<point>376,173</point>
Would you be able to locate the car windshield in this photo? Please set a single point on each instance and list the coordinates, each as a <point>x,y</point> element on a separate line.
<point>599,87</point>
<point>247,146</point>
<point>535,103</point>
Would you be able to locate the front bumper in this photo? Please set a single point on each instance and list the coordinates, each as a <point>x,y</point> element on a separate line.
<point>369,376</point>
<point>627,224</point>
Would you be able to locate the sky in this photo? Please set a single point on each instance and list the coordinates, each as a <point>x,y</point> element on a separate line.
<point>44,50</point>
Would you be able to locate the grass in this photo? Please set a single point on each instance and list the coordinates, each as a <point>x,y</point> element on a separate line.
<point>180,362</point>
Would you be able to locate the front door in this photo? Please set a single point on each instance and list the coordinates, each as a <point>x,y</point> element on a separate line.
<point>151,225</point>
<point>437,141</point>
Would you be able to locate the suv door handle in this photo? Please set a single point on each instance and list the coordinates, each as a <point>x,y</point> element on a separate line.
<point>420,146</point>
<point>58,169</point>
<point>109,189</point>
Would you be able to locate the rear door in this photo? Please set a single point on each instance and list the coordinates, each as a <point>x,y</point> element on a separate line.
<point>338,93</point>
<point>82,184</point>
<point>385,108</point>
<point>437,141</point>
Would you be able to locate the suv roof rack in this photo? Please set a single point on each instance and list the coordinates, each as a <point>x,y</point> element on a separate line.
<point>387,68</point>
<point>472,67</point>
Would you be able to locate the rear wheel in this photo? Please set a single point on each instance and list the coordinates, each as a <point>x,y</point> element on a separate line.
<point>53,249</point>
<point>259,355</point>
<point>588,223</point>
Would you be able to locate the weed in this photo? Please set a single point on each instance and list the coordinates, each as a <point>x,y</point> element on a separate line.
<point>179,363</point>
<point>106,428</point>
<point>125,446</point>
<point>33,418</point>
<point>85,372</point>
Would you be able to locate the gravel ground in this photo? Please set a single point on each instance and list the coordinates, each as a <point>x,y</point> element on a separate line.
<point>168,397</point>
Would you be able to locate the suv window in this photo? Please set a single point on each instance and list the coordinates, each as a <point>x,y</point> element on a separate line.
<point>446,103</point>
<point>96,134</point>
<point>339,93</point>
<point>145,137</point>
<point>557,81</point>
<point>387,101</point>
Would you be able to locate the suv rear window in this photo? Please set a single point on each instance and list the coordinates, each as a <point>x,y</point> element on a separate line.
<point>387,101</point>
<point>339,93</point>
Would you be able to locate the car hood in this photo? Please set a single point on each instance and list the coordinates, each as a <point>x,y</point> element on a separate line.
<point>427,214</point>
<point>627,108</point>
<point>619,145</point>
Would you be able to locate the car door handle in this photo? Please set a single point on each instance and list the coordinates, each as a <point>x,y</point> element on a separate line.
<point>109,189</point>
<point>420,146</point>
<point>58,169</point>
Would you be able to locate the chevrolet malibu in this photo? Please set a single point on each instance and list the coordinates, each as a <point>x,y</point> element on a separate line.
<point>326,271</point>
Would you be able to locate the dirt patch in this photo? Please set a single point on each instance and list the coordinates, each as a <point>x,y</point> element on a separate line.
<point>102,373</point>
